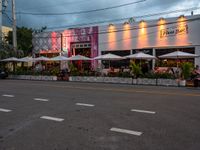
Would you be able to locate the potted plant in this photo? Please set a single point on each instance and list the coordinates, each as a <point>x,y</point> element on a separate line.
<point>135,69</point>
<point>186,68</point>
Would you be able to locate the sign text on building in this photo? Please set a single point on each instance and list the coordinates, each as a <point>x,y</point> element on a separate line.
<point>174,31</point>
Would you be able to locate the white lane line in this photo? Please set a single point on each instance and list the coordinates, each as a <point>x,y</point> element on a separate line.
<point>6,95</point>
<point>87,105</point>
<point>143,111</point>
<point>41,99</point>
<point>5,110</point>
<point>126,131</point>
<point>52,118</point>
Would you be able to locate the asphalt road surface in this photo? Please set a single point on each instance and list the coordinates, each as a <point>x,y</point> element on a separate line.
<point>37,115</point>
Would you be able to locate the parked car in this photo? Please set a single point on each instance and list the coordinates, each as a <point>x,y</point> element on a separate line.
<point>3,74</point>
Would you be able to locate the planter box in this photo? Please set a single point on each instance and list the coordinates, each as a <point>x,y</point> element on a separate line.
<point>167,82</point>
<point>117,80</point>
<point>146,81</point>
<point>101,79</point>
<point>30,77</point>
<point>139,81</point>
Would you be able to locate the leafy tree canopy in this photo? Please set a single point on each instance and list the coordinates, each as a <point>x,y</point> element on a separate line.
<point>24,39</point>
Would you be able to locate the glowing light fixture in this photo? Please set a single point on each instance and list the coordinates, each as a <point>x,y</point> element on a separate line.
<point>142,25</point>
<point>161,21</point>
<point>142,22</point>
<point>127,35</point>
<point>181,17</point>
<point>182,31</point>
<point>111,36</point>
<point>111,25</point>
<point>142,34</point>
<point>125,23</point>
<point>162,39</point>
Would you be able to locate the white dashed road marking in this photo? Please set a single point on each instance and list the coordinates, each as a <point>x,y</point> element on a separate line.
<point>143,111</point>
<point>41,99</point>
<point>5,110</point>
<point>52,118</point>
<point>6,95</point>
<point>87,105</point>
<point>126,131</point>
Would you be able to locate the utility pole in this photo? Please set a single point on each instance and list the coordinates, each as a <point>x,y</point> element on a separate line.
<point>1,24</point>
<point>14,26</point>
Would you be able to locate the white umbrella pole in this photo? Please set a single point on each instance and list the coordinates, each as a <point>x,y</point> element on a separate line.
<point>177,68</point>
<point>81,65</point>
<point>101,68</point>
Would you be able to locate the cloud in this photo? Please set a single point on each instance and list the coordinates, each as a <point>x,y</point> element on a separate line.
<point>58,6</point>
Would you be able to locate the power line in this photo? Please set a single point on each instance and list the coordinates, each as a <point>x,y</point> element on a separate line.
<point>57,5</point>
<point>123,19</point>
<point>80,12</point>
<point>134,28</point>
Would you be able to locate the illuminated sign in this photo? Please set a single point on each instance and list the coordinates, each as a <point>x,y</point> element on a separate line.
<point>179,30</point>
<point>49,51</point>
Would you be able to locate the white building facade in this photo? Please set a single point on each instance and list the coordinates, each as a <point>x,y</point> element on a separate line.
<point>155,37</point>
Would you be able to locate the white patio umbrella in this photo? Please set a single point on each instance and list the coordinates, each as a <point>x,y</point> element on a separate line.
<point>140,55</point>
<point>11,59</point>
<point>26,59</point>
<point>59,58</point>
<point>178,55</point>
<point>108,57</point>
<point>78,57</point>
<point>42,58</point>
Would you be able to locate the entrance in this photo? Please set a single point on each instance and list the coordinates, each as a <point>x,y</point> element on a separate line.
<point>83,49</point>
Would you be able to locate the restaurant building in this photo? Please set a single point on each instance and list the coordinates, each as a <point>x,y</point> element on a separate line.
<point>156,37</point>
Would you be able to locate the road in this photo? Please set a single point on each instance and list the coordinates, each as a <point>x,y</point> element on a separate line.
<point>37,115</point>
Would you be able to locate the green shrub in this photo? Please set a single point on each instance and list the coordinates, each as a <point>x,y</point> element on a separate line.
<point>135,69</point>
<point>54,71</point>
<point>124,74</point>
<point>187,68</point>
<point>73,70</point>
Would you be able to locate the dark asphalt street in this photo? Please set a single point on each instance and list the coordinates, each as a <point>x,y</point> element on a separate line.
<point>37,115</point>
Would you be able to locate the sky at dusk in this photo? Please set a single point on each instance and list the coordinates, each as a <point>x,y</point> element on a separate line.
<point>73,7</point>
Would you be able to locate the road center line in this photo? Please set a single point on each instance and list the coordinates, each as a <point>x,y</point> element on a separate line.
<point>41,99</point>
<point>87,105</point>
<point>52,118</point>
<point>5,110</point>
<point>6,95</point>
<point>143,111</point>
<point>126,131</point>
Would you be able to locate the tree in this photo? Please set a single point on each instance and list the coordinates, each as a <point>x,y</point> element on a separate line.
<point>24,39</point>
